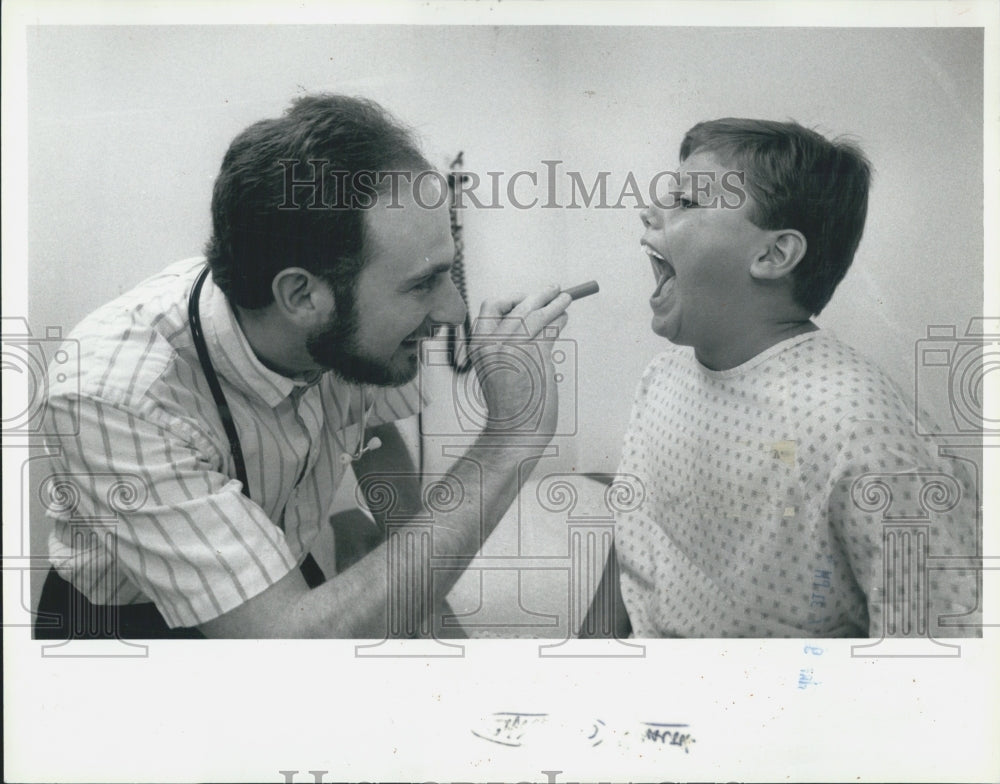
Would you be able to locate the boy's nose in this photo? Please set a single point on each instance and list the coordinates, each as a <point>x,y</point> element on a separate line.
<point>650,218</point>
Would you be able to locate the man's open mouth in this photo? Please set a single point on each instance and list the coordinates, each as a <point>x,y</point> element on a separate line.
<point>413,340</point>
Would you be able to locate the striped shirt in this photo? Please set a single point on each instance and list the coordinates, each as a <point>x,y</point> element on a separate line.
<point>143,496</point>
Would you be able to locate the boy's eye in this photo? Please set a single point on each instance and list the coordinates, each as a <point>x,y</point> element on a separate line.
<point>682,201</point>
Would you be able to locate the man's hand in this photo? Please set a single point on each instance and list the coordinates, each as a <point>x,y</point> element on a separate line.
<point>511,349</point>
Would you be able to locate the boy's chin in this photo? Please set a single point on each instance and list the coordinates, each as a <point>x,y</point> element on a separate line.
<point>665,329</point>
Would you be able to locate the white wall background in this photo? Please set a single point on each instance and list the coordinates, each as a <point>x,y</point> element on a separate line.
<point>127,126</point>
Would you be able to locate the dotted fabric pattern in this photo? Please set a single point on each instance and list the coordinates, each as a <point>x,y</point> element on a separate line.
<point>749,528</point>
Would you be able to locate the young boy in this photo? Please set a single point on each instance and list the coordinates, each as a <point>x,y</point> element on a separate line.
<point>750,431</point>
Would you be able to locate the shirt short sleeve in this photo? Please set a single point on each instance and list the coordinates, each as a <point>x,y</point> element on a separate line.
<point>178,528</point>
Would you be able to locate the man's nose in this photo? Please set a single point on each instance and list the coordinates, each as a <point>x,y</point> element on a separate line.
<point>449,307</point>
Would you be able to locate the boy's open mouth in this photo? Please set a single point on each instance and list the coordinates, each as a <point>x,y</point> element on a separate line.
<point>662,271</point>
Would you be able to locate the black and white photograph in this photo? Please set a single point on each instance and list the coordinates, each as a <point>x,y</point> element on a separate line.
<point>485,391</point>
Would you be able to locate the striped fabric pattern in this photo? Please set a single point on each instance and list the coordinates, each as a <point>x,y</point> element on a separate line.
<point>150,459</point>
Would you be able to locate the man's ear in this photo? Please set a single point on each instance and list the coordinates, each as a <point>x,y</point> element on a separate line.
<point>785,251</point>
<point>302,297</point>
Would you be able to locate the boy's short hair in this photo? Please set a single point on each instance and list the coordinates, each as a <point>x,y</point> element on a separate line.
<point>798,180</point>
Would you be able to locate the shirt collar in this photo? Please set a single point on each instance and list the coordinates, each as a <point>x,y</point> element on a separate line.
<point>233,356</point>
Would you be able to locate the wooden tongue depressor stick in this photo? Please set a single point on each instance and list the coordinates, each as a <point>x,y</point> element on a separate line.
<point>583,290</point>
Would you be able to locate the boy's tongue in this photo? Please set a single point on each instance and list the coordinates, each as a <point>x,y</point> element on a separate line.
<point>664,285</point>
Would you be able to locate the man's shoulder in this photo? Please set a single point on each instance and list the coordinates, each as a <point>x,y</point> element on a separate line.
<point>125,346</point>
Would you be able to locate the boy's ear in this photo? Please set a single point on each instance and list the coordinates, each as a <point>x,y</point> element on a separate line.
<point>783,254</point>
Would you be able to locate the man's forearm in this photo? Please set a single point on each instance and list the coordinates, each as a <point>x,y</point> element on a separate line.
<point>478,490</point>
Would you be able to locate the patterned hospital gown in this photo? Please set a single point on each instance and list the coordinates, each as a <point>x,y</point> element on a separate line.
<point>753,524</point>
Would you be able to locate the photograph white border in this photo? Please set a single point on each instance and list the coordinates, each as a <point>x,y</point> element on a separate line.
<point>245,711</point>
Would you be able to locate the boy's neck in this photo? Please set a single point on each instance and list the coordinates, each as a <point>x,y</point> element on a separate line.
<point>744,345</point>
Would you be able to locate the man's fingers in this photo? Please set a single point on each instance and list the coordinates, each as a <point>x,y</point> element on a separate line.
<point>536,301</point>
<point>493,315</point>
<point>558,323</point>
<point>498,308</point>
<point>544,317</point>
<point>548,334</point>
<point>521,316</point>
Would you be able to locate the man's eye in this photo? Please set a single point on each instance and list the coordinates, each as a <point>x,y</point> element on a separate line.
<point>427,284</point>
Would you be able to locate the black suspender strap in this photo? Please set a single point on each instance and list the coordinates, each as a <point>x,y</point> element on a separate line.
<point>194,316</point>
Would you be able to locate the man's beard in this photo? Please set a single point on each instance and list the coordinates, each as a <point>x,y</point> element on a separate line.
<point>335,347</point>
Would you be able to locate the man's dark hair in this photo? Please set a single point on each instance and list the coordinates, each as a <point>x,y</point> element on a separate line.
<point>262,223</point>
<point>798,180</point>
